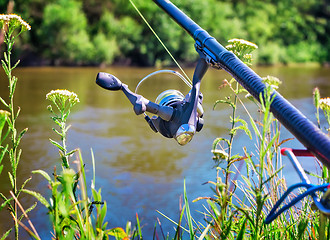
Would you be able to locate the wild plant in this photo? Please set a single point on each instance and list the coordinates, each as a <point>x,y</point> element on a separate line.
<point>238,208</point>
<point>12,26</point>
<point>70,208</point>
<point>4,118</point>
<point>324,105</point>
<point>223,223</point>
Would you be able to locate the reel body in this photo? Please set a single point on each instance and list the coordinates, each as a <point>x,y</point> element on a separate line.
<point>182,133</point>
<point>176,116</point>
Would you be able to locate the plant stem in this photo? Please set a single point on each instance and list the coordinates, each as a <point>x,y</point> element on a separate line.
<point>13,151</point>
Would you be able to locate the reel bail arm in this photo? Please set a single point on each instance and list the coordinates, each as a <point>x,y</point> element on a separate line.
<point>190,121</point>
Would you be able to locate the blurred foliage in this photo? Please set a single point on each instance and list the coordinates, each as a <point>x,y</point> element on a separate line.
<point>98,32</point>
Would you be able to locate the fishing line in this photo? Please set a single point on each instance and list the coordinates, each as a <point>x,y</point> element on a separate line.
<point>161,42</point>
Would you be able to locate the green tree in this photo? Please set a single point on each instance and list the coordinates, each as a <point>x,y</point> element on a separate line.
<point>64,33</point>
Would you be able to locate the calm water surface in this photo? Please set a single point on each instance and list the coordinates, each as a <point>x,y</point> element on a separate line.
<point>139,171</point>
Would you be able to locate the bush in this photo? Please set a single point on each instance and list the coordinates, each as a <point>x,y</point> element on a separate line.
<point>271,53</point>
<point>305,52</point>
<point>64,33</point>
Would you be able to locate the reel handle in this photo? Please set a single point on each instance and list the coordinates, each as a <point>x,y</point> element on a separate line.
<point>140,104</point>
<point>108,81</point>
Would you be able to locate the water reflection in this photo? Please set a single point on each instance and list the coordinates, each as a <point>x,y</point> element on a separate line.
<point>138,170</point>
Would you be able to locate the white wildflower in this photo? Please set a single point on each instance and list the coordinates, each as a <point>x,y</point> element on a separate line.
<point>13,20</point>
<point>220,154</point>
<point>63,96</point>
<point>274,82</point>
<point>325,104</point>
<point>242,42</point>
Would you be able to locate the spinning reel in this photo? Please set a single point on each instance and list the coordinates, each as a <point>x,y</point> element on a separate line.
<point>176,116</point>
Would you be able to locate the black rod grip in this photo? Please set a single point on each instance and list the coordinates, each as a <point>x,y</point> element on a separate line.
<point>302,128</point>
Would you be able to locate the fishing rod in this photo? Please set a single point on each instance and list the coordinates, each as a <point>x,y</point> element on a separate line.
<point>177,116</point>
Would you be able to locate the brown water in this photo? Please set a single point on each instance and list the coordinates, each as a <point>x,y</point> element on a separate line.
<point>139,171</point>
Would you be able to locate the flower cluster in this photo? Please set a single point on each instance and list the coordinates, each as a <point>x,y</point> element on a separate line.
<point>241,45</point>
<point>63,95</point>
<point>62,99</point>
<point>219,154</point>
<point>13,21</point>
<point>242,49</point>
<point>325,104</point>
<point>272,81</point>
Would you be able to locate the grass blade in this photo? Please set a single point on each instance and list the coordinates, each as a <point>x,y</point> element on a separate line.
<point>189,218</point>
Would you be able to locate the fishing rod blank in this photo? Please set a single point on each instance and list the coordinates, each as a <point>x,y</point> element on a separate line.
<point>217,56</point>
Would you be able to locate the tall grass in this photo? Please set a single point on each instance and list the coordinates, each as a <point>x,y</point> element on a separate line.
<point>13,26</point>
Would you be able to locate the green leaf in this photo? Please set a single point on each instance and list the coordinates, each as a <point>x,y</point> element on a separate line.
<point>241,233</point>
<point>241,127</point>
<point>27,211</point>
<point>71,152</point>
<point>18,158</point>
<point>25,182</point>
<point>56,144</point>
<point>5,235</point>
<point>6,56</point>
<point>15,64</point>
<point>138,225</point>
<point>214,209</point>
<point>117,232</point>
<point>102,214</point>
<point>223,101</point>
<point>67,128</point>
<point>217,140</point>
<point>255,128</point>
<point>38,196</point>
<point>5,68</point>
<point>6,202</point>
<point>11,179</point>
<point>21,135</point>
<point>270,144</point>
<point>57,132</point>
<point>189,218</point>
<point>18,112</point>
<point>31,208</point>
<point>3,102</point>
<point>3,152</point>
<point>44,174</point>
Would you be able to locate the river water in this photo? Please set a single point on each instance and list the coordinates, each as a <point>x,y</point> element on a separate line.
<point>138,171</point>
